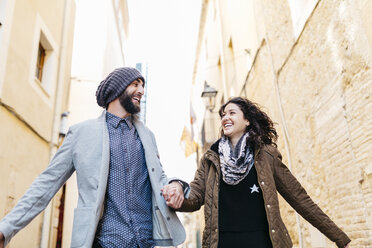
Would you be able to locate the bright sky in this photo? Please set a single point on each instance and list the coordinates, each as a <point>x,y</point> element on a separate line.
<point>163,33</point>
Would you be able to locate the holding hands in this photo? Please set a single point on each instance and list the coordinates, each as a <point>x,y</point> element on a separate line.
<point>173,194</point>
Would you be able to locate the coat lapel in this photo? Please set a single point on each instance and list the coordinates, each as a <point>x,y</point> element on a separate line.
<point>146,139</point>
<point>105,163</point>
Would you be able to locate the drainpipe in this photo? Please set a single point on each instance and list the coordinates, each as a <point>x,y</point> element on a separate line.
<point>47,224</point>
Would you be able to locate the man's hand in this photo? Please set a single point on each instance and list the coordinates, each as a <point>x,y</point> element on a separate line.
<point>2,240</point>
<point>173,195</point>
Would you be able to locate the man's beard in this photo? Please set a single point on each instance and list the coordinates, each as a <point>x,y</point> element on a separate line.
<point>126,101</point>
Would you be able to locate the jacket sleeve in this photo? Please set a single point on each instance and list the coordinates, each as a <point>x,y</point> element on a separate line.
<point>41,191</point>
<point>292,191</point>
<point>197,194</point>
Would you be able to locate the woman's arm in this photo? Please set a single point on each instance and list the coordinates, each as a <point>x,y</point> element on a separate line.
<point>292,191</point>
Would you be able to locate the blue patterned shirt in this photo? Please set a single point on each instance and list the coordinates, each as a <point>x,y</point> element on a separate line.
<point>127,218</point>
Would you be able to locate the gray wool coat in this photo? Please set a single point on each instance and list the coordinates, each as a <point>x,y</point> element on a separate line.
<point>86,150</point>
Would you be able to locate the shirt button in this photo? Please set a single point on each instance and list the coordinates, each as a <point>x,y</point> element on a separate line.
<point>153,169</point>
<point>168,218</point>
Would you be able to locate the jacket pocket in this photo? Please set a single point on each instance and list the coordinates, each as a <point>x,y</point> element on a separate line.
<point>160,229</point>
<point>82,222</point>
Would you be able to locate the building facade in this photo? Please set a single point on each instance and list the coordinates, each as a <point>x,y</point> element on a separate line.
<point>307,63</point>
<point>35,60</point>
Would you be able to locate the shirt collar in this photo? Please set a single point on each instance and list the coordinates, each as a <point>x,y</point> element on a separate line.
<point>114,120</point>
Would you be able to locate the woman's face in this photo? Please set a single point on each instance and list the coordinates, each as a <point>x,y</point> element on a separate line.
<point>233,122</point>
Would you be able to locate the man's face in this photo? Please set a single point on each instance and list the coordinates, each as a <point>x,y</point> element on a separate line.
<point>130,99</point>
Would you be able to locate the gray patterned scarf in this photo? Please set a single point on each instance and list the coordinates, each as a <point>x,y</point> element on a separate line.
<point>235,163</point>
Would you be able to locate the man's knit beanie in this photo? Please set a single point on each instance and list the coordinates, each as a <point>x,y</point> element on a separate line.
<point>115,84</point>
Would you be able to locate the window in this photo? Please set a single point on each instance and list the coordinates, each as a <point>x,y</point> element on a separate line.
<point>43,68</point>
<point>45,62</point>
<point>40,62</point>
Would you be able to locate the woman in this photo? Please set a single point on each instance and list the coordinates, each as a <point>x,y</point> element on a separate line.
<point>238,179</point>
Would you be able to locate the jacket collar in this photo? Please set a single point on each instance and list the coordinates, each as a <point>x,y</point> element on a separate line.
<point>212,155</point>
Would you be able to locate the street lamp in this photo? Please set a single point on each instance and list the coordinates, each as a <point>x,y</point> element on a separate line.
<point>209,94</point>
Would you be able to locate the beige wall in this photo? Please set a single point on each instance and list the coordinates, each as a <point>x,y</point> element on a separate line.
<point>316,84</point>
<point>18,167</point>
<point>30,111</point>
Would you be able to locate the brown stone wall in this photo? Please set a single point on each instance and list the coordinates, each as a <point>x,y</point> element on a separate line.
<point>324,89</point>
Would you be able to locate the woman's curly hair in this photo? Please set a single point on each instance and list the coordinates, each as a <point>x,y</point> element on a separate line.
<point>261,128</point>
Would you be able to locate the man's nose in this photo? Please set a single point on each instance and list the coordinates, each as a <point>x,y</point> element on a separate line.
<point>141,90</point>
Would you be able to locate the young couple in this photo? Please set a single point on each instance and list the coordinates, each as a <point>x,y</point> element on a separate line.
<point>126,200</point>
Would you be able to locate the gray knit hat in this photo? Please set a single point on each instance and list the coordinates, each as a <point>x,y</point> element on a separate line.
<point>115,84</point>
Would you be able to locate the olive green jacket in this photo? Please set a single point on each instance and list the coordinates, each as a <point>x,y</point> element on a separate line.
<point>273,176</point>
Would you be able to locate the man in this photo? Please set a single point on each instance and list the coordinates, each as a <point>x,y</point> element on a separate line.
<point>119,176</point>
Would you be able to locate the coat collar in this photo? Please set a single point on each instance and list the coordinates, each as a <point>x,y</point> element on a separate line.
<point>144,135</point>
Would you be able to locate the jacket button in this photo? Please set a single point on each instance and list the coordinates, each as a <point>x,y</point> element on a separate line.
<point>168,218</point>
<point>153,169</point>
<point>216,230</point>
<point>273,230</point>
<point>262,182</point>
<point>268,206</point>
